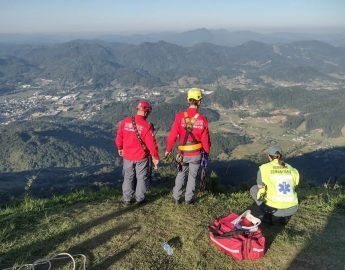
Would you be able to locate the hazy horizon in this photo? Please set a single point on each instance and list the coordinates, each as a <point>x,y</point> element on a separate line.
<point>139,17</point>
<point>147,32</point>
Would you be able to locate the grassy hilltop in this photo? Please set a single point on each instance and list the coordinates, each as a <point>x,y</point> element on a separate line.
<point>111,236</point>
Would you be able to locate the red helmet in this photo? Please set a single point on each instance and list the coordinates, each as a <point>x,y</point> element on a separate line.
<point>144,106</point>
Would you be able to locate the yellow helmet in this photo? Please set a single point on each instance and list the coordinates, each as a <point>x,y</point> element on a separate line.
<point>194,93</point>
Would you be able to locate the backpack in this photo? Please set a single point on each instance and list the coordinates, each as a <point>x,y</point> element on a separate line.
<point>238,236</point>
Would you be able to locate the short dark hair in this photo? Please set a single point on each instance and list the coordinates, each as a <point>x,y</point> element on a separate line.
<point>193,101</point>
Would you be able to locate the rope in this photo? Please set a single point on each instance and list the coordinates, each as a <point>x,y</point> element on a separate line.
<point>170,158</point>
<point>48,261</point>
<point>171,161</point>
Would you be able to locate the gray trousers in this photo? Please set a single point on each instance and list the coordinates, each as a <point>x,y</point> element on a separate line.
<point>134,171</point>
<point>190,167</point>
<point>279,212</point>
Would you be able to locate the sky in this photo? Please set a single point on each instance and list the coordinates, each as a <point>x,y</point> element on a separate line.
<point>143,16</point>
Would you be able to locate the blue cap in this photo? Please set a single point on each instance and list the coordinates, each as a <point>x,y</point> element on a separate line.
<point>273,150</point>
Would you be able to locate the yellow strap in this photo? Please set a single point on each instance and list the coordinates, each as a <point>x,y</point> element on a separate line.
<point>190,147</point>
<point>189,120</point>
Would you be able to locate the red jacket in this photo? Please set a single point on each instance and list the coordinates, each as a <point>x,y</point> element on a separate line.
<point>127,140</point>
<point>200,131</point>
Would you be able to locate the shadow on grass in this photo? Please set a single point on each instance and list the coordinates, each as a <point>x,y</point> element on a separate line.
<point>109,261</point>
<point>88,245</point>
<point>40,248</point>
<point>175,242</point>
<point>324,250</point>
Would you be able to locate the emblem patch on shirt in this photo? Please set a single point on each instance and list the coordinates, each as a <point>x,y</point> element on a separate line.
<point>129,127</point>
<point>284,188</point>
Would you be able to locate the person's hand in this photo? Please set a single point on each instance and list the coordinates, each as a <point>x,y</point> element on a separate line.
<point>120,152</point>
<point>155,163</point>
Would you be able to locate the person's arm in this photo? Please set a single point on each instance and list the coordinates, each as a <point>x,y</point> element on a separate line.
<point>151,143</point>
<point>172,136</point>
<point>205,138</point>
<point>119,139</point>
<point>261,187</point>
<point>259,180</point>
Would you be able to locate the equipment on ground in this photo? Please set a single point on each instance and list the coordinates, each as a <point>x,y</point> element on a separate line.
<point>168,249</point>
<point>48,262</point>
<point>238,236</point>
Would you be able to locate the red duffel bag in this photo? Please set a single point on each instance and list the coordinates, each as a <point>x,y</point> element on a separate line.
<point>238,236</point>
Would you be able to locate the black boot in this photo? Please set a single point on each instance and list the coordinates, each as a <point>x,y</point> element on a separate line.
<point>284,220</point>
<point>267,218</point>
<point>192,201</point>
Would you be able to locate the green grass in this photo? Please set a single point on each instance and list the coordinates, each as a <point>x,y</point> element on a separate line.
<point>114,237</point>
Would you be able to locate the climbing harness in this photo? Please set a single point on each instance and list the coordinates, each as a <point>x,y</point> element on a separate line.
<point>187,146</point>
<point>194,145</point>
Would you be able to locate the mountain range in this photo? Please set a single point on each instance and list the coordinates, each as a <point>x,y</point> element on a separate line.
<point>160,63</point>
<point>188,38</point>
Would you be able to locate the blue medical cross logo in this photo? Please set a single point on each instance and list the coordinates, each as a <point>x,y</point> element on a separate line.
<point>284,188</point>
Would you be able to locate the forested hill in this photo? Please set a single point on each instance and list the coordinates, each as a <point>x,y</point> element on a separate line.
<point>317,109</point>
<point>162,116</point>
<point>102,64</point>
<point>61,143</point>
<point>47,144</point>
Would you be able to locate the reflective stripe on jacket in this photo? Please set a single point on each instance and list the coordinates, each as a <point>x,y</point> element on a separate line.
<point>280,184</point>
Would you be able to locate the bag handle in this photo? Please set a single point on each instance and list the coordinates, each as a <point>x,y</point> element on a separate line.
<point>215,232</point>
<point>247,214</point>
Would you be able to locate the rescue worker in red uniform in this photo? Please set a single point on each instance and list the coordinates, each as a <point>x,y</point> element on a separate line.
<point>192,129</point>
<point>136,154</point>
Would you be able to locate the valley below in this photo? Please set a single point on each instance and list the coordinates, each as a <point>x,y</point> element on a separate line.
<point>59,130</point>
